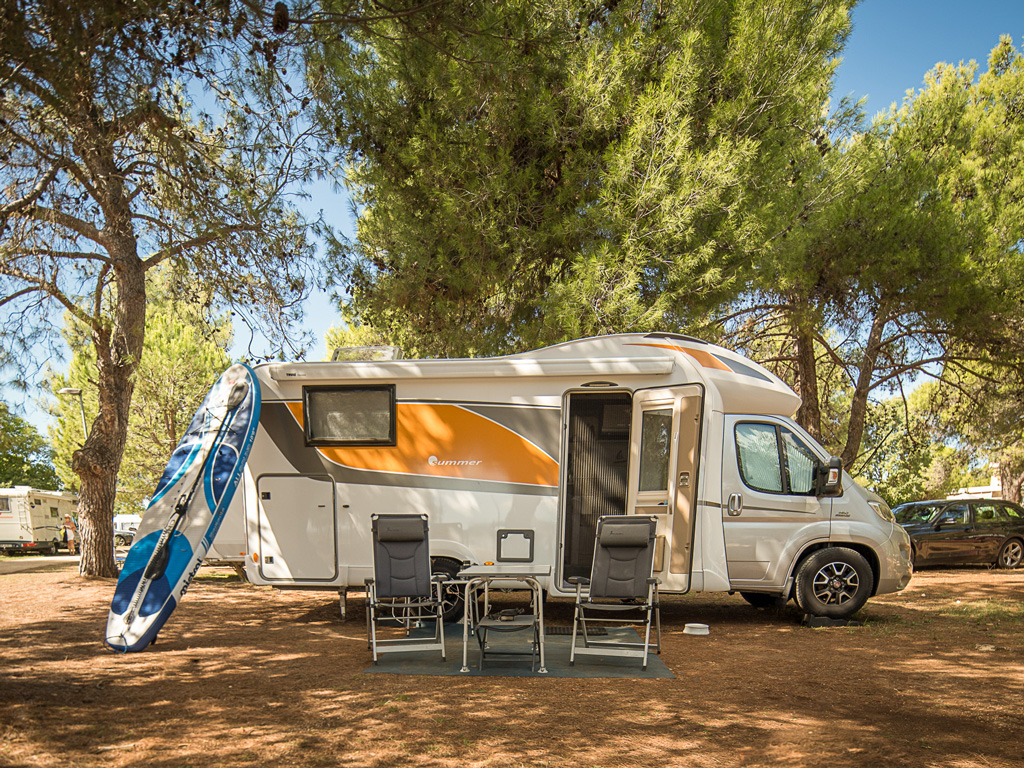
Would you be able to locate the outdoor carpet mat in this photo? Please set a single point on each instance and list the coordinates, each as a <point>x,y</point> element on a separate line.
<point>556,657</point>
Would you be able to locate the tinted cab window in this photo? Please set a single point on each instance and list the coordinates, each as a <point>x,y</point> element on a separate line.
<point>772,459</point>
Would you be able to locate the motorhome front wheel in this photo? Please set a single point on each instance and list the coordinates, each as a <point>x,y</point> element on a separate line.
<point>833,582</point>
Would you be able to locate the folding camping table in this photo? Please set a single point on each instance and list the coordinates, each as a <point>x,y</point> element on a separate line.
<point>479,580</point>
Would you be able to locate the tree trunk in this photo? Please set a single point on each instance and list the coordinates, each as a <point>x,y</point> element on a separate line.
<point>97,463</point>
<point>808,415</point>
<point>859,404</point>
<point>1012,482</point>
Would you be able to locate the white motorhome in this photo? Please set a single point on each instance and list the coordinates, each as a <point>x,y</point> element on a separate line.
<point>515,458</point>
<point>31,519</point>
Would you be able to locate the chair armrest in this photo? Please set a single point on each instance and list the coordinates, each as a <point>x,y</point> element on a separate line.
<point>369,582</point>
<point>654,580</point>
<point>579,580</point>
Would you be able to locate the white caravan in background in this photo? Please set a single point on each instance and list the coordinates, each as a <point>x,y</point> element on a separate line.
<point>31,519</point>
<point>515,458</point>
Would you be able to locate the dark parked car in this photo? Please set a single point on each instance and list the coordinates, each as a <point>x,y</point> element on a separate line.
<point>960,531</point>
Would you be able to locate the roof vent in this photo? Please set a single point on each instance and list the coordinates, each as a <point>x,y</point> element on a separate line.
<point>365,354</point>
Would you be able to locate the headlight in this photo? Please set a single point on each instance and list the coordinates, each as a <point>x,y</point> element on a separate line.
<point>883,511</point>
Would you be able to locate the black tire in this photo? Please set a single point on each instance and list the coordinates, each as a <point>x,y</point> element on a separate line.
<point>762,600</point>
<point>833,583</point>
<point>452,594</point>
<point>1011,554</point>
<point>119,541</point>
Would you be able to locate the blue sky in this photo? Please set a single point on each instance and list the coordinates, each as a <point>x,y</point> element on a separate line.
<point>893,44</point>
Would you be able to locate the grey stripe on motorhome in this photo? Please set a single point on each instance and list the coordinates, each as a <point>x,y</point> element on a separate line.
<point>287,435</point>
<point>737,367</point>
<point>537,424</point>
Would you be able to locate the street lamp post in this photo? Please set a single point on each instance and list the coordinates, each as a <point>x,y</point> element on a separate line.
<point>81,405</point>
<point>85,435</point>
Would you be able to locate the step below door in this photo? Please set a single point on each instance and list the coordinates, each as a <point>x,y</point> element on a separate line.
<point>298,531</point>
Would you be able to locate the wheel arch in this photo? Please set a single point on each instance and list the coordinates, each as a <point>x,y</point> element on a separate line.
<point>864,550</point>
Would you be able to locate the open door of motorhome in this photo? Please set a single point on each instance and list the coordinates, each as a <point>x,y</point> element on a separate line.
<point>663,473</point>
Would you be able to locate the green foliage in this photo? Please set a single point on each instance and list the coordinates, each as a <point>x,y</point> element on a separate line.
<point>25,457</point>
<point>185,352</point>
<point>576,169</point>
<point>902,461</point>
<point>985,411</point>
<point>107,170</point>
<point>904,256</point>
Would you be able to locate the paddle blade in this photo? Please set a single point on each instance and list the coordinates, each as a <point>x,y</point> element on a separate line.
<point>158,562</point>
<point>238,392</point>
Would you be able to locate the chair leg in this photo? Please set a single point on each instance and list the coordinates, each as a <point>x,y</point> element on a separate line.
<point>439,632</point>
<point>647,638</point>
<point>572,647</point>
<point>373,633</point>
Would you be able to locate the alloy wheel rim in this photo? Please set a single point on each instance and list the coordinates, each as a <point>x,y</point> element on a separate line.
<point>451,596</point>
<point>1012,554</point>
<point>836,583</point>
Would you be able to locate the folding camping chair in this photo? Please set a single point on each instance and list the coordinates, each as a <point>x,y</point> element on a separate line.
<point>621,581</point>
<point>402,591</point>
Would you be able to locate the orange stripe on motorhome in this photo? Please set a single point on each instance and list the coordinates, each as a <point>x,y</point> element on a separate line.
<point>704,358</point>
<point>443,440</point>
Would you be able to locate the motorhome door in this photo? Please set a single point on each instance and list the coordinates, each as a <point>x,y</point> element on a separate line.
<point>297,528</point>
<point>663,466</point>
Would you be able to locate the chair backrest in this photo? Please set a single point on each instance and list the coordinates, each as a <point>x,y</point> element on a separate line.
<point>401,555</point>
<point>623,556</point>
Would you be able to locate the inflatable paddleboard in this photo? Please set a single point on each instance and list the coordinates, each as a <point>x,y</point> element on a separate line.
<point>185,512</point>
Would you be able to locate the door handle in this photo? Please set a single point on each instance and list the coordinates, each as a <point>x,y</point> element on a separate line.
<point>735,505</point>
<point>684,479</point>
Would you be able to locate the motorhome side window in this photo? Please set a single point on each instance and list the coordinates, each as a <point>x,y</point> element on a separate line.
<point>656,431</point>
<point>349,415</point>
<point>5,504</point>
<point>772,459</point>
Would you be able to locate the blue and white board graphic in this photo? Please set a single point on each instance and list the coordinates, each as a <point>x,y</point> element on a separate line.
<point>186,510</point>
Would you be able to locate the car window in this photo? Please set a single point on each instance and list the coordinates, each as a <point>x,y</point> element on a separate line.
<point>908,514</point>
<point>955,515</point>
<point>757,451</point>
<point>987,514</point>
<point>773,459</point>
<point>800,463</point>
<point>1012,512</point>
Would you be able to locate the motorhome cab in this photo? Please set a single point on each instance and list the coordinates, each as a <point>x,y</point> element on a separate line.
<point>515,458</point>
<point>31,519</point>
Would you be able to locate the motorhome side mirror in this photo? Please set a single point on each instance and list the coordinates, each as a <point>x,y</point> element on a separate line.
<point>828,479</point>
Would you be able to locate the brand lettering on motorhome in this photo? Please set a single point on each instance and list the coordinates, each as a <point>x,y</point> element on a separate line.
<point>436,462</point>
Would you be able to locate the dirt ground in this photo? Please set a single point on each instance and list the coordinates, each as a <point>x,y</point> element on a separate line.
<point>246,675</point>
